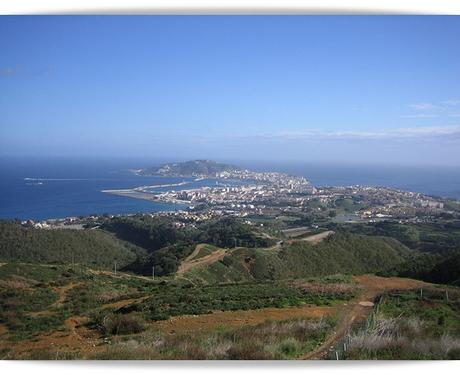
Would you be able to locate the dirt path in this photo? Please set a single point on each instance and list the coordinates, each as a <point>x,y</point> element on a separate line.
<point>62,295</point>
<point>358,309</point>
<point>195,252</point>
<point>78,337</point>
<point>275,247</point>
<point>77,329</point>
<point>120,275</point>
<point>348,313</point>
<point>190,263</point>
<point>3,330</point>
<point>124,302</point>
<point>317,238</point>
<point>294,232</point>
<point>235,319</point>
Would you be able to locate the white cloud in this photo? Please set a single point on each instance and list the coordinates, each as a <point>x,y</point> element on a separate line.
<point>401,133</point>
<point>421,115</point>
<point>423,106</point>
<point>436,109</point>
<point>452,102</point>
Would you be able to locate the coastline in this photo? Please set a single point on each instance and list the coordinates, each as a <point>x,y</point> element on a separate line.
<point>138,193</point>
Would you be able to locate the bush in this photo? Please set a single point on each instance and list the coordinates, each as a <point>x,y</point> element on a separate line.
<point>119,324</point>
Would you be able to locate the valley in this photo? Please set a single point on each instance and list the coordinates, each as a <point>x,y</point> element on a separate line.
<point>288,281</point>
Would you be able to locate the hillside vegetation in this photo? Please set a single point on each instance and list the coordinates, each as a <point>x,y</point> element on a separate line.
<point>90,247</point>
<point>37,300</point>
<point>441,237</point>
<point>167,245</point>
<point>437,259</point>
<point>339,253</point>
<point>407,326</point>
<point>428,267</point>
<point>136,243</point>
<point>190,168</point>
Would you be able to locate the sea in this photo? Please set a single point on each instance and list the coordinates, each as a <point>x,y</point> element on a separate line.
<point>46,189</point>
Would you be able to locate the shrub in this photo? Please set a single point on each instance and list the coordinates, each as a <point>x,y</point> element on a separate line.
<point>119,324</point>
<point>247,351</point>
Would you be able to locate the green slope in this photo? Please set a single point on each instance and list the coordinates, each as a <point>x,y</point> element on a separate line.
<point>91,247</point>
<point>190,168</point>
<point>340,253</point>
<point>437,268</point>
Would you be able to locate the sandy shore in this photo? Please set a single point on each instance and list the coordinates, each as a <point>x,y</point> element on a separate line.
<point>137,194</point>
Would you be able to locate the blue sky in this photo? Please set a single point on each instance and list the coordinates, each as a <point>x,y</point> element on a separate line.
<point>307,88</point>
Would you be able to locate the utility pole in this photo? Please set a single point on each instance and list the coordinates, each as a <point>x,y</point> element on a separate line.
<point>153,272</point>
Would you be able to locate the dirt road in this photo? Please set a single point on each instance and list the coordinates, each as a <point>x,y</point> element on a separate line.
<point>190,263</point>
<point>356,311</point>
<point>317,238</point>
<point>121,275</point>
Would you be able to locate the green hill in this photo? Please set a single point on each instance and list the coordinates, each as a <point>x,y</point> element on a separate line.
<point>190,168</point>
<point>340,253</point>
<point>434,238</point>
<point>164,247</point>
<point>167,245</point>
<point>136,243</point>
<point>91,247</point>
<point>437,268</point>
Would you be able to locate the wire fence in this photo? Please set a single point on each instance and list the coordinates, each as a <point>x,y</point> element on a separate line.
<point>340,349</point>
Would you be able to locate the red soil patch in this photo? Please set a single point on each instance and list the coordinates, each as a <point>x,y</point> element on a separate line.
<point>234,319</point>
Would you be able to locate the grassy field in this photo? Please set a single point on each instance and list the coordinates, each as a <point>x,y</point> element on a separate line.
<point>40,303</point>
<point>176,299</point>
<point>415,324</point>
<point>57,312</point>
<point>270,340</point>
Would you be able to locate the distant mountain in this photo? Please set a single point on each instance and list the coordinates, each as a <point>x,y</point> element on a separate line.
<point>202,168</point>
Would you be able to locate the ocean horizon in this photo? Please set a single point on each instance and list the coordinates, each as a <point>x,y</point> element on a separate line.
<point>45,189</point>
